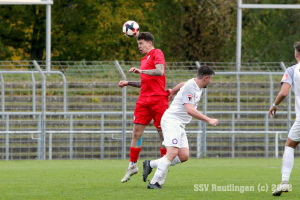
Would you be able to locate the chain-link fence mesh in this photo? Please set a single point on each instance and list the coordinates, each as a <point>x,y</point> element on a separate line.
<point>93,87</point>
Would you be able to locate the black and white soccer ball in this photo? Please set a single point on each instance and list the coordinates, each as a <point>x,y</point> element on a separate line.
<point>131,29</point>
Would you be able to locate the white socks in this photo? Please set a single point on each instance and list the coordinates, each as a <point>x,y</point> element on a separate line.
<point>162,167</point>
<point>287,163</point>
<point>154,163</point>
<point>175,161</point>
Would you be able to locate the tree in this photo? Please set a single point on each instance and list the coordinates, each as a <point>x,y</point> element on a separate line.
<point>269,34</point>
<point>22,27</point>
<point>185,30</point>
<point>199,30</point>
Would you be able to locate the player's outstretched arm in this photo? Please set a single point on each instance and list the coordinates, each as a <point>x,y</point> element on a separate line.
<point>135,83</point>
<point>131,83</point>
<point>172,92</point>
<point>191,110</point>
<point>123,84</point>
<point>280,97</point>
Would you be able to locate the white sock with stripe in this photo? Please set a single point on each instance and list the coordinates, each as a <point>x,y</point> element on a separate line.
<point>162,167</point>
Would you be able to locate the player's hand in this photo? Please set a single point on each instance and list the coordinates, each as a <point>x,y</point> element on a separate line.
<point>135,70</point>
<point>123,84</point>
<point>272,111</point>
<point>213,122</point>
<point>170,94</point>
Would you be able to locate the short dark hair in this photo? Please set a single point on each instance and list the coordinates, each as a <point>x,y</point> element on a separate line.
<point>297,47</point>
<point>146,36</point>
<point>204,70</point>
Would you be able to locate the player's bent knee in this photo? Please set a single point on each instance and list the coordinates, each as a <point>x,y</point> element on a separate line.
<point>291,143</point>
<point>171,154</point>
<point>136,136</point>
<point>183,158</point>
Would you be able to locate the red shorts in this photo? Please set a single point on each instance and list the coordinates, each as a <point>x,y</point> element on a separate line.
<point>148,108</point>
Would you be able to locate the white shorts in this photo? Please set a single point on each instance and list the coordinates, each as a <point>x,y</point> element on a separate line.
<point>174,134</point>
<point>294,133</point>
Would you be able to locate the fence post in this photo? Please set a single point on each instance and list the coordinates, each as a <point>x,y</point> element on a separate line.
<point>50,146</point>
<point>102,136</point>
<point>39,138</point>
<point>48,37</point>
<point>123,110</point>
<point>276,145</point>
<point>232,136</point>
<point>204,125</point>
<point>238,52</point>
<point>266,136</point>
<point>33,95</point>
<point>2,96</point>
<point>271,90</point>
<point>199,139</point>
<point>282,65</point>
<point>198,64</point>
<point>238,95</point>
<point>43,110</point>
<point>7,139</point>
<point>71,137</point>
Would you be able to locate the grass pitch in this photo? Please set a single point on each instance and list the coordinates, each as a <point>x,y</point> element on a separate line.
<point>100,179</point>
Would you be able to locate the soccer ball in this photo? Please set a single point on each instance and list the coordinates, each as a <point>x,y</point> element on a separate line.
<point>131,29</point>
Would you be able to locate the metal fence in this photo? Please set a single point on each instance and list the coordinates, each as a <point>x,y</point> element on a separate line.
<point>88,116</point>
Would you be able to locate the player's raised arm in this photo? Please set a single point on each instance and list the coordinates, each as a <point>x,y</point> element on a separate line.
<point>135,84</point>
<point>131,83</point>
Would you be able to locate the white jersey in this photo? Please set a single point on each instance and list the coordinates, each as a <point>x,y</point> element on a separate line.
<point>189,93</point>
<point>292,77</point>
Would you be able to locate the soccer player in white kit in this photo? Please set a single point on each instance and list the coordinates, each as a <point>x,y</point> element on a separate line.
<point>180,113</point>
<point>290,78</point>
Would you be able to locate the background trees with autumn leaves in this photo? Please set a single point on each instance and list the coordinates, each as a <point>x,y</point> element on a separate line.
<point>185,30</point>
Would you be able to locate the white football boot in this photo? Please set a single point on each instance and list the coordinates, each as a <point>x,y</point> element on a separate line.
<point>130,171</point>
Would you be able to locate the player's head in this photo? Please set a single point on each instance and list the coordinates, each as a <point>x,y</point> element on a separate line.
<point>205,74</point>
<point>297,50</point>
<point>145,42</point>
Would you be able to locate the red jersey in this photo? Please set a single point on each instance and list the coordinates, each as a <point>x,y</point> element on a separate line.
<point>153,85</point>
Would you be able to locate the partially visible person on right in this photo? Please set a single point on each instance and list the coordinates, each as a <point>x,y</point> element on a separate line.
<point>290,78</point>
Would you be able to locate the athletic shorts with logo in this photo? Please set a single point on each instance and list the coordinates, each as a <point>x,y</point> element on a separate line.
<point>174,133</point>
<point>148,108</point>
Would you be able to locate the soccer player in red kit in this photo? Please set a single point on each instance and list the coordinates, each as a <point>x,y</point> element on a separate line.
<point>153,99</point>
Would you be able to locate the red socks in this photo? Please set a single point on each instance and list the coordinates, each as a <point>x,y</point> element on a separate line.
<point>134,154</point>
<point>163,152</point>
